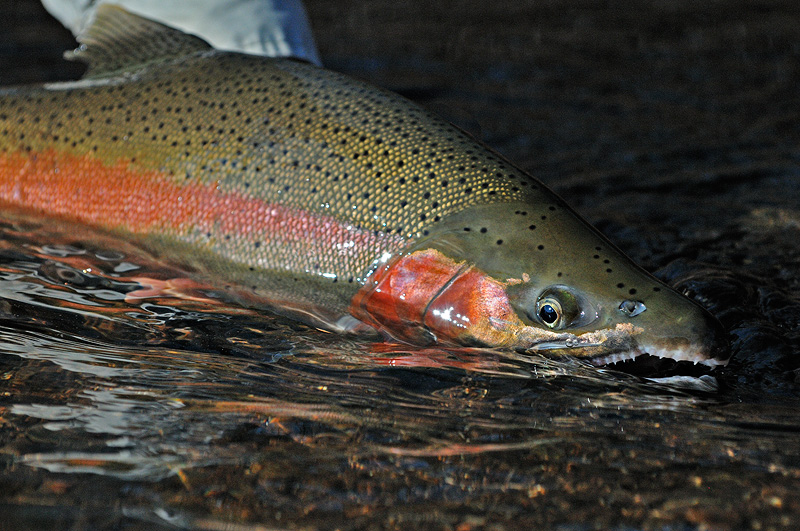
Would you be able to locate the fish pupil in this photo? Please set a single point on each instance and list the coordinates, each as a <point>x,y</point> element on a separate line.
<point>548,314</point>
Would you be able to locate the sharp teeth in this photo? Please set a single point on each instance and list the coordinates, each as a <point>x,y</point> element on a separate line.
<point>677,355</point>
<point>682,355</point>
<point>615,358</point>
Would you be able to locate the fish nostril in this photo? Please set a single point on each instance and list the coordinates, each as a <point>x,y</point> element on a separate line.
<point>632,308</point>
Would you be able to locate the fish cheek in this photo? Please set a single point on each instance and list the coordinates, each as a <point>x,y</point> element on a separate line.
<point>522,298</point>
<point>473,309</point>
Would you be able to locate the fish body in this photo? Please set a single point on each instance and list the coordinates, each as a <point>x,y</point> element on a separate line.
<point>333,200</point>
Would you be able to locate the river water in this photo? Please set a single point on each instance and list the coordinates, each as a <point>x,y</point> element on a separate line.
<point>672,127</point>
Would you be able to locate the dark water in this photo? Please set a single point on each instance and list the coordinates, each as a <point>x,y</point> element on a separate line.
<point>674,128</point>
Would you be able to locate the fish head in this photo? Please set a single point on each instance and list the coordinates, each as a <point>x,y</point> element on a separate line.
<point>606,324</point>
<point>567,290</point>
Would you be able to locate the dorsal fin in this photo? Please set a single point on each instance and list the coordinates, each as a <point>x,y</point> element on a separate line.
<point>118,40</point>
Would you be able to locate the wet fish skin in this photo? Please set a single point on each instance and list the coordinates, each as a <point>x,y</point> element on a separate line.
<point>330,199</point>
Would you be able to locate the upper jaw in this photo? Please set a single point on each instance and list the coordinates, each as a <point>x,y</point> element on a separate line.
<point>625,342</point>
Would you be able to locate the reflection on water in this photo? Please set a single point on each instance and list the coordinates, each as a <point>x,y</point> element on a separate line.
<point>130,397</point>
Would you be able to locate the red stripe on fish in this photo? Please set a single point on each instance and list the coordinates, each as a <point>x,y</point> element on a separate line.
<point>120,196</point>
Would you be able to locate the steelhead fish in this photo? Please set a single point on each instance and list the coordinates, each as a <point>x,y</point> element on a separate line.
<point>325,198</point>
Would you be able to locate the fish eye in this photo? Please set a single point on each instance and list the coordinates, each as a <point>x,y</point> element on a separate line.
<point>559,307</point>
<point>549,311</point>
<point>556,307</point>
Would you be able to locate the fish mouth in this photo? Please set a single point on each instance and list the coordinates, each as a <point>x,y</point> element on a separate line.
<point>638,362</point>
<point>674,356</point>
<point>649,366</point>
<point>658,363</point>
<point>626,350</point>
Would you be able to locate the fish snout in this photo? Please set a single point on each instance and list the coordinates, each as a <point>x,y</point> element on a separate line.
<point>717,347</point>
<point>696,337</point>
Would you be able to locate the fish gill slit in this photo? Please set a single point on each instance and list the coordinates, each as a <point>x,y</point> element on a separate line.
<point>463,269</point>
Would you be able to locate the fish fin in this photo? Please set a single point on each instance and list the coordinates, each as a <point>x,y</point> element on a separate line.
<point>118,40</point>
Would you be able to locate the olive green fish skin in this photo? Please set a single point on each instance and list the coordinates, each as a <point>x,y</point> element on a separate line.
<point>280,131</point>
<point>391,176</point>
<point>277,130</point>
